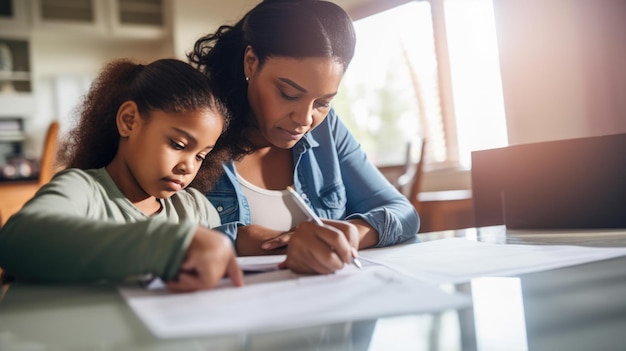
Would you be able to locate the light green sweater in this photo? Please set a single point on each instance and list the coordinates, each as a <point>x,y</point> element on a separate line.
<point>80,227</point>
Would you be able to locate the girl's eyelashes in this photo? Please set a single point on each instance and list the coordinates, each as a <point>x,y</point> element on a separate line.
<point>181,146</point>
<point>176,145</point>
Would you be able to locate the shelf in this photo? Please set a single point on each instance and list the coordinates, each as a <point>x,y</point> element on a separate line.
<point>11,130</point>
<point>132,12</point>
<point>11,137</point>
<point>15,21</point>
<point>14,76</point>
<point>17,104</point>
<point>143,19</point>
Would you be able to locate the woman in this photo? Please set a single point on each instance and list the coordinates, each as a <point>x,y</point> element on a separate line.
<point>278,69</point>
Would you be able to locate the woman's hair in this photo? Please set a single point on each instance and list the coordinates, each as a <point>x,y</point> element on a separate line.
<point>167,85</point>
<point>274,28</point>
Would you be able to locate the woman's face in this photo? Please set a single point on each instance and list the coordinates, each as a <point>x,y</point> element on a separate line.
<point>289,97</point>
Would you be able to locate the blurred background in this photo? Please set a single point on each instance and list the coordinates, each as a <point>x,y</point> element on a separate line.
<point>463,74</point>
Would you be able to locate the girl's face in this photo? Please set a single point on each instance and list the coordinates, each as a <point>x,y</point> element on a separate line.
<point>289,97</point>
<point>163,153</point>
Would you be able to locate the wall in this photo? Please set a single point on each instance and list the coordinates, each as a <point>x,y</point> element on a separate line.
<point>563,63</point>
<point>63,66</point>
<point>563,67</point>
<point>192,19</point>
<point>66,57</point>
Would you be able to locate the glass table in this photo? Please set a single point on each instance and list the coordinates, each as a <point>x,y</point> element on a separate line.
<point>581,307</point>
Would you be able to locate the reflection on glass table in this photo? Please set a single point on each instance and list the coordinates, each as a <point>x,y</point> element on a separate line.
<point>581,307</point>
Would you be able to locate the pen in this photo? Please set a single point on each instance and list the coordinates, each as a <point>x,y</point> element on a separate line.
<point>312,216</point>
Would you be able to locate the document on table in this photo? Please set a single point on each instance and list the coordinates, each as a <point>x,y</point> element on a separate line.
<point>260,263</point>
<point>280,300</point>
<point>457,260</point>
<point>395,280</point>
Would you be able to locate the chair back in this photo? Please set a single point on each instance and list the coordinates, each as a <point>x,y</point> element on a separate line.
<point>47,166</point>
<point>409,183</point>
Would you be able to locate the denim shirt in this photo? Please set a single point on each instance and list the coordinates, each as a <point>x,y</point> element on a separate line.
<point>337,181</point>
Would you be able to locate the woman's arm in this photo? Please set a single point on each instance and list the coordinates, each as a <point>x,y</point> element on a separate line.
<point>389,215</point>
<point>368,235</point>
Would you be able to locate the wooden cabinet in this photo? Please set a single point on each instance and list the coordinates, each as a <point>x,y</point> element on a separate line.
<point>16,104</point>
<point>117,18</point>
<point>138,18</point>
<point>14,16</point>
<point>16,95</point>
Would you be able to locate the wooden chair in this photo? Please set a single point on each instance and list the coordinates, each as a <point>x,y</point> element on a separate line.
<point>47,166</point>
<point>409,183</point>
<point>439,210</point>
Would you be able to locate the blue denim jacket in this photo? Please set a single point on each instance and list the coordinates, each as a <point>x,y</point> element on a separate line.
<point>336,180</point>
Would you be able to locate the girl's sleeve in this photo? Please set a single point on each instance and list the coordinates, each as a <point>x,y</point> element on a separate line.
<point>371,196</point>
<point>63,234</point>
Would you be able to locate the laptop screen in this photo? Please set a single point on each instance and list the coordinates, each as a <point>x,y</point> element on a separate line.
<point>573,183</point>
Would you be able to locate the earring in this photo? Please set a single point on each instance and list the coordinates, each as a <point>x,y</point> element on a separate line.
<point>247,79</point>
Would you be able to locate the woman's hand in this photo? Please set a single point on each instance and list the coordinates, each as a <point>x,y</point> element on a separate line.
<point>321,249</point>
<point>209,258</point>
<point>253,240</point>
<point>349,229</point>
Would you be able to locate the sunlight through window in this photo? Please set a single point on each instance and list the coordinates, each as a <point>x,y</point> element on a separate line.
<point>475,72</point>
<point>391,92</point>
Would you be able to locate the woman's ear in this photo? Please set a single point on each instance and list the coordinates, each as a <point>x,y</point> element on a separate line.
<point>250,62</point>
<point>127,117</point>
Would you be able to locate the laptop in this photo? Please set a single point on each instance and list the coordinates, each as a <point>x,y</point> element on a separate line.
<point>564,184</point>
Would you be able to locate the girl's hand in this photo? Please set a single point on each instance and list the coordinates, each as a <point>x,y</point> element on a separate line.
<point>209,258</point>
<point>321,249</point>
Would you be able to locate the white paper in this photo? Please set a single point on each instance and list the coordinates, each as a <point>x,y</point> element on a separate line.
<point>282,300</point>
<point>248,264</point>
<point>457,260</point>
<point>260,263</point>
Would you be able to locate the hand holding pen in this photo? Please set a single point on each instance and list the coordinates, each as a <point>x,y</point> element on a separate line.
<point>313,217</point>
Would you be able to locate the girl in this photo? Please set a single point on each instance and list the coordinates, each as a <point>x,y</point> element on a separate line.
<point>122,208</point>
<point>279,68</point>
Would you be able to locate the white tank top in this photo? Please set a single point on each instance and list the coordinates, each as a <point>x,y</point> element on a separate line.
<point>273,209</point>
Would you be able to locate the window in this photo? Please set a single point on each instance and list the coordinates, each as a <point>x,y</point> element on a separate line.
<point>410,79</point>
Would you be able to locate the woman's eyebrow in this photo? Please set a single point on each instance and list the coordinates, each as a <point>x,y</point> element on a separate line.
<point>293,84</point>
<point>298,87</point>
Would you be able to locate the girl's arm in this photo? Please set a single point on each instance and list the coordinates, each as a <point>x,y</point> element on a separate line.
<point>76,230</point>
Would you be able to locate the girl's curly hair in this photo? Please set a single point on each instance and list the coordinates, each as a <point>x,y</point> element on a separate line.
<point>167,85</point>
